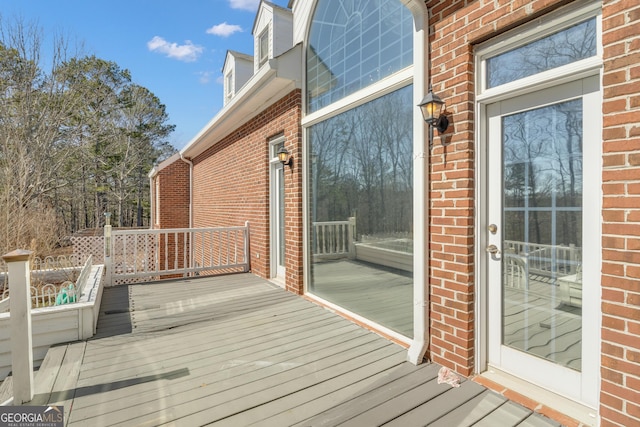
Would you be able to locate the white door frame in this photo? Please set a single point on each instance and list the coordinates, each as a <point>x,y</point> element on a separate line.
<point>585,68</point>
<point>576,385</point>
<point>276,179</point>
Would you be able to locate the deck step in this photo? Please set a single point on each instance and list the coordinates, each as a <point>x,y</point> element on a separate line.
<point>43,377</point>
<point>6,389</point>
<point>57,378</point>
<point>48,373</point>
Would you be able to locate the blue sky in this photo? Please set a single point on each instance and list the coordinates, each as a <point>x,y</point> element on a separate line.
<point>175,48</point>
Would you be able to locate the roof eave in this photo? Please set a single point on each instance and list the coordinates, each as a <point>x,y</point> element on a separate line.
<point>264,88</point>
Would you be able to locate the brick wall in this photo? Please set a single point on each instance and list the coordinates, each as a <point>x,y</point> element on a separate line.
<point>455,26</point>
<point>171,184</point>
<point>231,185</point>
<point>620,371</point>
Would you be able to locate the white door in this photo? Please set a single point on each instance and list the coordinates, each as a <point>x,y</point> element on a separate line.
<point>543,230</point>
<point>277,214</point>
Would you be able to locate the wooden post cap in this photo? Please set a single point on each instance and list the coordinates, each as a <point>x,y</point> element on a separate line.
<point>17,255</point>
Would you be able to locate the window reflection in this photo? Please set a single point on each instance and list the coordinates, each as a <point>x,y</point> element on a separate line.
<point>354,43</point>
<point>543,170</point>
<point>361,204</point>
<point>564,47</point>
<point>542,229</point>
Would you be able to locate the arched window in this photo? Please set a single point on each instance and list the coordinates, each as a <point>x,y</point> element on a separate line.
<point>353,44</point>
<point>360,166</point>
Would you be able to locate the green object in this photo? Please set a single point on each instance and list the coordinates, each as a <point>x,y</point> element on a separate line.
<point>66,295</point>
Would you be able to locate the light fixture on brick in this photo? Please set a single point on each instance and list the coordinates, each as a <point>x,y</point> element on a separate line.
<point>284,157</point>
<point>433,108</point>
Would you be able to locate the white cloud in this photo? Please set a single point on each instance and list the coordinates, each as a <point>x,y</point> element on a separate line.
<point>224,29</point>
<point>250,5</point>
<point>205,77</point>
<point>188,52</point>
<point>220,80</point>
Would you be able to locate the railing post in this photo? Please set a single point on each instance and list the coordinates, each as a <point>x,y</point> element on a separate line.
<point>573,258</point>
<point>108,249</point>
<point>247,255</point>
<point>352,237</point>
<point>20,320</point>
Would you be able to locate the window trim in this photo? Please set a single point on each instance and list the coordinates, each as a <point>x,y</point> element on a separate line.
<point>376,90</point>
<point>263,55</point>
<point>538,29</point>
<point>228,79</point>
<point>417,75</point>
<point>541,27</point>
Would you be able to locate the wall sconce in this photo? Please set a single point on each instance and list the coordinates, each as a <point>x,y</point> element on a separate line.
<point>433,108</point>
<point>284,157</point>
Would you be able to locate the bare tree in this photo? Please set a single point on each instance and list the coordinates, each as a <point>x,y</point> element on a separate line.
<point>77,138</point>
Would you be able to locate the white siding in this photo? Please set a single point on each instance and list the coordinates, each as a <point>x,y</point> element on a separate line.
<point>280,23</point>
<point>243,72</point>
<point>301,16</point>
<point>241,67</point>
<point>282,31</point>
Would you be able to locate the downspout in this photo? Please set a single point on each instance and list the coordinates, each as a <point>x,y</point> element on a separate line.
<point>152,196</point>
<point>190,163</point>
<point>420,343</point>
<point>152,202</point>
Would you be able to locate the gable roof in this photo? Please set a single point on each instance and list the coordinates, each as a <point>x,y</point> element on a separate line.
<point>274,7</point>
<point>237,55</point>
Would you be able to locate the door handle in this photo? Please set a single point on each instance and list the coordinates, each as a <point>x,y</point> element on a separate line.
<point>494,251</point>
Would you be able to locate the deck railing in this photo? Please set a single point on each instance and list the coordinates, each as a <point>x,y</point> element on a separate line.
<point>546,259</point>
<point>333,239</point>
<point>54,280</point>
<point>145,255</point>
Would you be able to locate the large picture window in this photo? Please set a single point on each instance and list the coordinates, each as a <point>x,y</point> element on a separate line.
<point>360,171</point>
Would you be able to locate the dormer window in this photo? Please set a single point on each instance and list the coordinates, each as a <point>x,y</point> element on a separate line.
<point>263,47</point>
<point>228,85</point>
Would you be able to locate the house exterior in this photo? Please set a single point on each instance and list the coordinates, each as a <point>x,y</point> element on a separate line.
<point>506,246</point>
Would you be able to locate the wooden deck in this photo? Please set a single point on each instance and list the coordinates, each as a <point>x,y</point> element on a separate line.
<point>236,351</point>
<point>378,293</point>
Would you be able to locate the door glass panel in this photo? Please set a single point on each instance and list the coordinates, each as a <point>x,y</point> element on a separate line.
<point>542,232</point>
<point>280,173</point>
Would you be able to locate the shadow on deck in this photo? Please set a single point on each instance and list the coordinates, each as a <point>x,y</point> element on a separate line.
<point>237,350</point>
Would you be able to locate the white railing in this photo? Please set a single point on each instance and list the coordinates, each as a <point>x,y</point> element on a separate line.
<point>515,272</point>
<point>55,281</point>
<point>333,238</point>
<point>83,277</point>
<point>145,255</point>
<point>56,263</point>
<point>20,326</point>
<point>546,259</point>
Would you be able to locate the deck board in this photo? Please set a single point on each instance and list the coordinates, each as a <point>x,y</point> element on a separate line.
<point>471,412</point>
<point>427,404</point>
<point>237,350</point>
